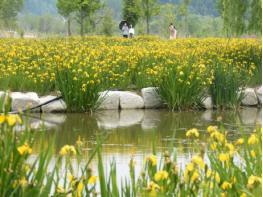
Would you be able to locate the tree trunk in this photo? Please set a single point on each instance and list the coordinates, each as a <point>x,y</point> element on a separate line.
<point>69,30</point>
<point>147,24</point>
<point>81,23</point>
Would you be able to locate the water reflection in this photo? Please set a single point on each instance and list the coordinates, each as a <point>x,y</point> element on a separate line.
<point>132,132</point>
<point>138,128</point>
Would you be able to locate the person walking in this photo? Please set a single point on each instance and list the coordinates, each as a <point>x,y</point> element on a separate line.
<point>125,30</point>
<point>172,31</point>
<point>131,32</point>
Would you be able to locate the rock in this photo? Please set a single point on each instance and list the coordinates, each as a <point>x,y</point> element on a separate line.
<point>250,98</point>
<point>258,92</point>
<point>207,102</point>
<point>55,106</point>
<point>22,101</point>
<point>130,117</point>
<point>108,119</point>
<point>130,100</point>
<point>151,98</point>
<point>248,115</point>
<point>151,119</point>
<point>109,100</point>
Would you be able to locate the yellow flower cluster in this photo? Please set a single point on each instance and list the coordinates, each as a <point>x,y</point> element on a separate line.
<point>192,133</point>
<point>115,61</point>
<point>24,149</point>
<point>10,119</point>
<point>67,150</point>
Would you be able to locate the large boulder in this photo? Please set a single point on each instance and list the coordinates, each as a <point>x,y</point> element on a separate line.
<point>22,101</point>
<point>109,100</point>
<point>259,94</point>
<point>207,102</point>
<point>151,98</point>
<point>55,106</point>
<point>250,98</point>
<point>130,100</point>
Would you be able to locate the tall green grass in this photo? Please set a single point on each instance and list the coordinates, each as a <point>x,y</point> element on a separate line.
<point>79,95</point>
<point>227,85</point>
<point>178,91</point>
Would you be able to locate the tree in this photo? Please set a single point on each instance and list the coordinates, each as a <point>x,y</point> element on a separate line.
<point>130,11</point>
<point>255,21</point>
<point>167,16</point>
<point>86,8</point>
<point>66,8</point>
<point>108,22</point>
<point>149,9</point>
<point>9,10</point>
<point>233,13</point>
<point>183,13</point>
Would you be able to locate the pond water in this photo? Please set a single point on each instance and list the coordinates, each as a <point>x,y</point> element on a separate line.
<point>131,133</point>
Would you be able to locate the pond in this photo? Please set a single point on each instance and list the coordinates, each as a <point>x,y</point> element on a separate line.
<point>132,133</point>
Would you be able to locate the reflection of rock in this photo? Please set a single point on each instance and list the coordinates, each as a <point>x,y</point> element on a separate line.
<point>259,93</point>
<point>22,101</point>
<point>54,118</point>
<point>207,115</point>
<point>250,97</point>
<point>107,119</point>
<point>248,115</point>
<point>42,124</point>
<point>151,98</point>
<point>130,117</point>
<point>207,102</point>
<point>130,100</point>
<point>151,119</point>
<point>109,100</point>
<point>259,116</point>
<point>55,106</point>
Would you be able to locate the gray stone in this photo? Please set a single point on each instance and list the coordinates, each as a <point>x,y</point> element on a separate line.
<point>258,92</point>
<point>151,98</point>
<point>207,102</point>
<point>250,97</point>
<point>55,106</point>
<point>22,101</point>
<point>109,100</point>
<point>130,100</point>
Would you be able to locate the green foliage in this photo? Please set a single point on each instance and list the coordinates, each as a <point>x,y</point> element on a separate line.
<point>79,97</point>
<point>149,8</point>
<point>226,88</point>
<point>255,21</point>
<point>131,11</point>
<point>178,91</point>
<point>8,12</point>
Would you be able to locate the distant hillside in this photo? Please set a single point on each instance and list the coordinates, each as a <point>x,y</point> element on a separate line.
<point>40,7</point>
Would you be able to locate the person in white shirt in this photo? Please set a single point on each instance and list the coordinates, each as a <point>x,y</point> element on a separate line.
<point>172,31</point>
<point>131,31</point>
